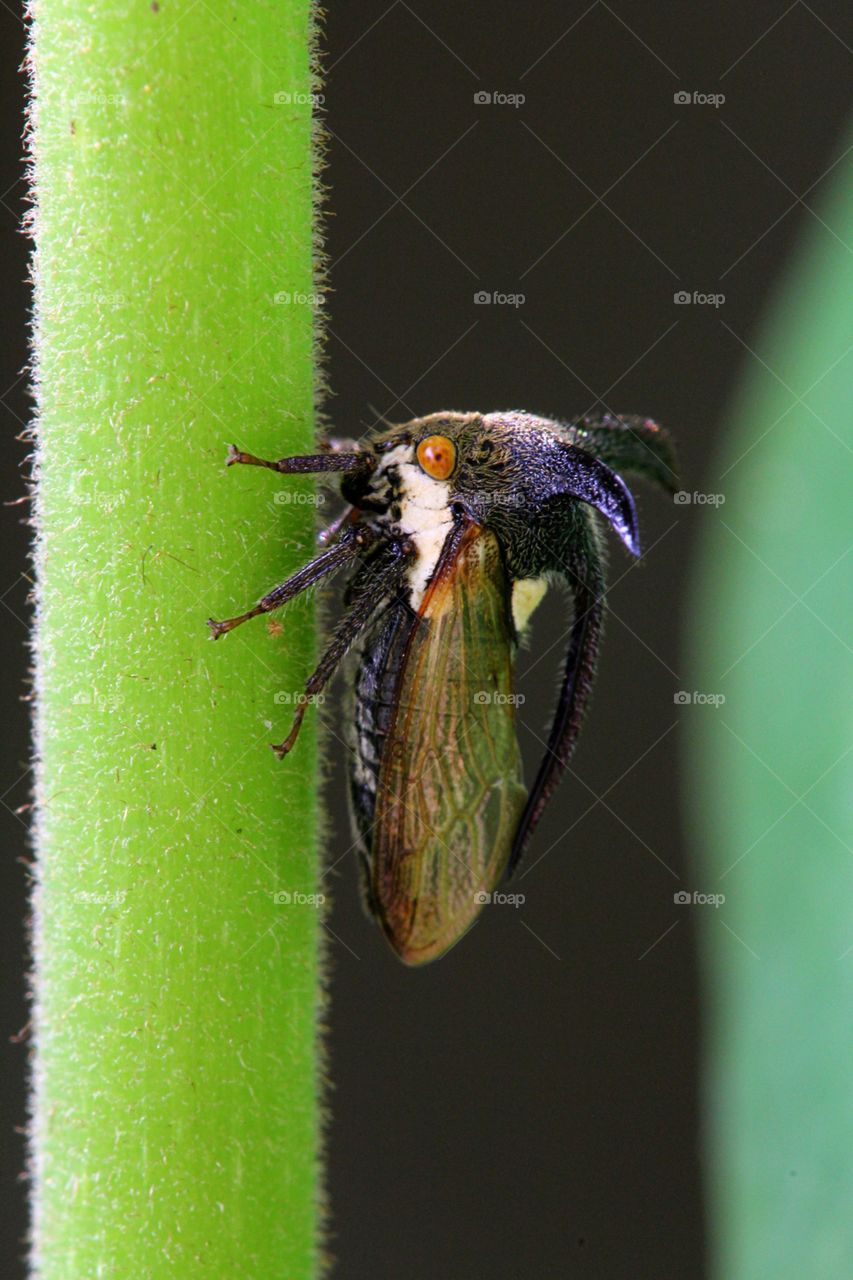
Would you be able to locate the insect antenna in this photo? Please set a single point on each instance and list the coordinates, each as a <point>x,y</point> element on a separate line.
<point>380,417</point>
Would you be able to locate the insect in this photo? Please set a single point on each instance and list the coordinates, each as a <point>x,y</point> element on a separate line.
<point>456,524</point>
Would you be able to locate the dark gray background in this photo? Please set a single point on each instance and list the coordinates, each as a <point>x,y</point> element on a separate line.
<point>528,1106</point>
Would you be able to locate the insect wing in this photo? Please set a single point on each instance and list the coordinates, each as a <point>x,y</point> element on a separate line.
<point>450,789</point>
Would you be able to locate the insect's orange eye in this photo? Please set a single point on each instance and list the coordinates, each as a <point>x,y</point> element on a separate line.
<point>437,456</point>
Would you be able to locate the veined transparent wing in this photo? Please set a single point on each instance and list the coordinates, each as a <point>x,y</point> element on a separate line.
<point>450,783</point>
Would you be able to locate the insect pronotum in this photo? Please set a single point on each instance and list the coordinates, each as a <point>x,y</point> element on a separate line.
<point>456,524</point>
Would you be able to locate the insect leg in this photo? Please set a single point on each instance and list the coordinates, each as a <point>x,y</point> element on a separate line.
<point>307,464</point>
<point>331,531</point>
<point>585,577</point>
<point>376,584</point>
<point>630,443</point>
<point>352,543</point>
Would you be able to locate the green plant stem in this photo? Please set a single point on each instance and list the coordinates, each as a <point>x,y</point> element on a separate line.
<point>175,1111</point>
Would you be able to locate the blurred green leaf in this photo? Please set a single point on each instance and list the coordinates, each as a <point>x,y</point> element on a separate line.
<point>771,794</point>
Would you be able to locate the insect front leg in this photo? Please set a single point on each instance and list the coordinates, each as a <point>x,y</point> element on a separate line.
<point>304,464</point>
<point>374,587</point>
<point>351,544</point>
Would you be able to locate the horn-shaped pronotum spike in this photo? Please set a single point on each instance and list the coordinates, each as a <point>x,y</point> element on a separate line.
<point>591,481</point>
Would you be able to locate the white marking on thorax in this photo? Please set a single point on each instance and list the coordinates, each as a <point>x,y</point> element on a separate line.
<point>425,517</point>
<point>526,595</point>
